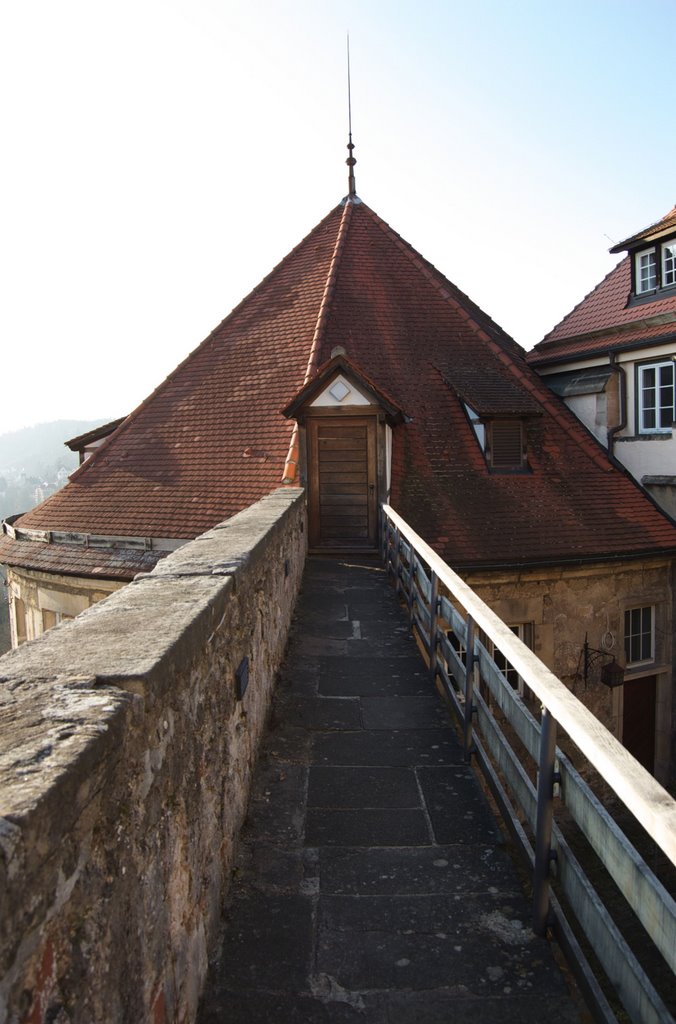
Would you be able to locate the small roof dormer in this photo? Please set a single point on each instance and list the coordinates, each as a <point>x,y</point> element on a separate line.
<point>652,254</point>
<point>344,453</point>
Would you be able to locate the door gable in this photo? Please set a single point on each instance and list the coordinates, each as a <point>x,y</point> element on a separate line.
<point>340,384</point>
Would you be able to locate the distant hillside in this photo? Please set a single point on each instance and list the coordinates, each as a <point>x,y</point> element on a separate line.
<point>34,462</point>
<point>35,450</point>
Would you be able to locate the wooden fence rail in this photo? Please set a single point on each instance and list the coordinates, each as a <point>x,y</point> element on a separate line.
<point>450,623</point>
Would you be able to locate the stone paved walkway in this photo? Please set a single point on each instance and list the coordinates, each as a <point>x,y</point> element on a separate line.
<point>373,884</point>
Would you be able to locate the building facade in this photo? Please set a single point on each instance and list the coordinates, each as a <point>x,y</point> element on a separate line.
<point>359,371</point>
<point>612,360</point>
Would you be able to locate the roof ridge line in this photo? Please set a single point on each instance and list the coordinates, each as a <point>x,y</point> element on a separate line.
<point>522,376</point>
<point>550,359</point>
<point>432,274</point>
<point>94,457</point>
<point>290,473</point>
<point>545,341</point>
<point>643,324</point>
<point>328,290</point>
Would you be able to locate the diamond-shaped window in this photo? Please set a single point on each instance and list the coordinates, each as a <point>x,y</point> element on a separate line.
<point>339,390</point>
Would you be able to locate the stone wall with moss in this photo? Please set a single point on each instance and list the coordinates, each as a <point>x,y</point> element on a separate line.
<point>126,752</point>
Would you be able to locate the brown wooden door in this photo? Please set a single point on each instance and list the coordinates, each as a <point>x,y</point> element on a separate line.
<point>638,719</point>
<point>342,482</point>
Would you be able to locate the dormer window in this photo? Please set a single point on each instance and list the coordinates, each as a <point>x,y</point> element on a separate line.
<point>503,442</point>
<point>668,264</point>
<point>646,271</point>
<point>655,269</point>
<point>505,449</point>
<point>477,426</point>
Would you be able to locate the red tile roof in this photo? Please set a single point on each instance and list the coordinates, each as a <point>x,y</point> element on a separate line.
<point>76,560</point>
<point>76,444</point>
<point>603,321</point>
<point>211,439</point>
<point>662,227</point>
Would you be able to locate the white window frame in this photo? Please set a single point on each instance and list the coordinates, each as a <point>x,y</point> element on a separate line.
<point>645,254</point>
<point>650,660</point>
<point>642,368</point>
<point>669,257</point>
<point>524,631</point>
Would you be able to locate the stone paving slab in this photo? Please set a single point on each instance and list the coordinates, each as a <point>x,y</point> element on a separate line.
<point>374,826</point>
<point>403,712</point>
<point>425,869</point>
<point>372,884</point>
<point>396,747</point>
<point>323,714</point>
<point>331,786</point>
<point>369,676</point>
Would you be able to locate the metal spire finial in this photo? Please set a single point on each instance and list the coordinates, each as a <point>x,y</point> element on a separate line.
<point>351,161</point>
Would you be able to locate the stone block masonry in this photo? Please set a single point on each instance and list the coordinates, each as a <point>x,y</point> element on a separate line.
<point>126,753</point>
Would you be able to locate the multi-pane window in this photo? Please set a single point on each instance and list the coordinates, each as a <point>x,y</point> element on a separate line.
<point>655,268</point>
<point>668,264</point>
<point>524,631</point>
<point>656,397</point>
<point>639,635</point>
<point>646,271</point>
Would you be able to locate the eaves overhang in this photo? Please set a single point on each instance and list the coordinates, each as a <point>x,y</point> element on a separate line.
<point>96,434</point>
<point>577,355</point>
<point>566,561</point>
<point>662,229</point>
<point>64,553</point>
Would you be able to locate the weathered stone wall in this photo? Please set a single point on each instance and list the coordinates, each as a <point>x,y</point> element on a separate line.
<point>566,604</point>
<point>5,636</point>
<point>125,761</point>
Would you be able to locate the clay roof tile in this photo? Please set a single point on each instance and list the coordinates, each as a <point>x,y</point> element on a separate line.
<point>211,439</point>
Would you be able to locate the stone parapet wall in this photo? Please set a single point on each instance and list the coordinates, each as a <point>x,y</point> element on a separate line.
<point>125,763</point>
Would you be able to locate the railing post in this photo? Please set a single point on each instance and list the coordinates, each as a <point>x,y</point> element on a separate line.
<point>543,826</point>
<point>470,674</point>
<point>410,595</point>
<point>396,561</point>
<point>434,602</point>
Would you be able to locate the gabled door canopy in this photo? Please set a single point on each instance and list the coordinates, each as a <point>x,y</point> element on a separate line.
<point>341,366</point>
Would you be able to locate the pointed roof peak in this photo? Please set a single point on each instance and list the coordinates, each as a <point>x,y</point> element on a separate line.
<point>351,160</point>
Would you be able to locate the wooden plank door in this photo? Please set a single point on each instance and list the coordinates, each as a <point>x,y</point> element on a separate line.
<point>638,719</point>
<point>342,481</point>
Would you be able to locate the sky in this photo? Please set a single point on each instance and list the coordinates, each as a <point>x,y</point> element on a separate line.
<point>161,156</point>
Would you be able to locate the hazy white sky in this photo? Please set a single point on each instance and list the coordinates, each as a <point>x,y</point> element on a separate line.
<point>161,156</point>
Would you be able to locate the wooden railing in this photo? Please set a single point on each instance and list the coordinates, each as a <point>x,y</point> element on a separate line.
<point>447,617</point>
